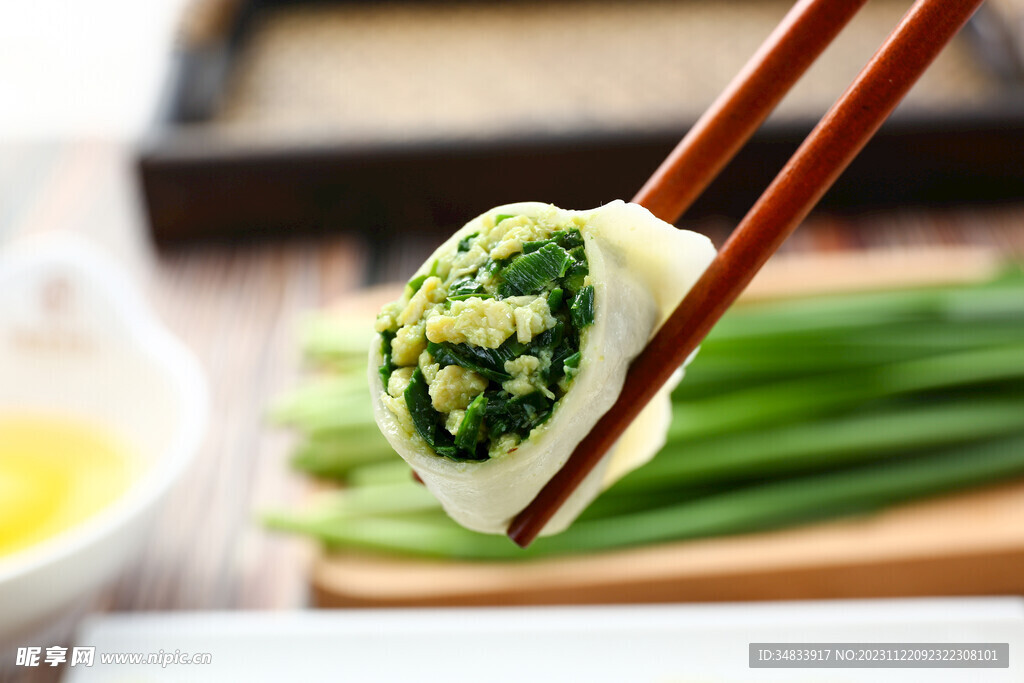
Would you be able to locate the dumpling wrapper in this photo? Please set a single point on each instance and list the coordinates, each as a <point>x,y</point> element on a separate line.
<point>640,267</point>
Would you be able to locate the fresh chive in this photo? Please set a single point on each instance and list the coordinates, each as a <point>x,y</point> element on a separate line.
<point>563,351</point>
<point>740,510</point>
<point>417,282</point>
<point>333,459</point>
<point>814,396</point>
<point>555,298</point>
<point>502,216</point>
<point>427,421</point>
<point>573,361</point>
<point>387,367</point>
<point>492,267</point>
<point>424,417</point>
<point>388,471</point>
<point>575,277</point>
<point>466,288</point>
<point>469,428</point>
<point>793,411</point>
<point>464,243</point>
<point>568,240</point>
<point>583,308</point>
<point>516,414</point>
<point>899,430</point>
<point>489,363</point>
<point>572,241</point>
<point>334,340</point>
<point>547,339</point>
<point>529,273</point>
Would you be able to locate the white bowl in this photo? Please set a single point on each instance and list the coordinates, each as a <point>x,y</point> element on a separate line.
<point>77,340</point>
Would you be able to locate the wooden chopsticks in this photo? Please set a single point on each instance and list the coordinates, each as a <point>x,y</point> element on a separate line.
<point>827,151</point>
<point>802,35</point>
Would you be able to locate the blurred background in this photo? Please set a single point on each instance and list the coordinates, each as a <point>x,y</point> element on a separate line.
<point>254,166</point>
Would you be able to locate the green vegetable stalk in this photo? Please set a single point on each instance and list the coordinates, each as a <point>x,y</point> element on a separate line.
<point>793,411</point>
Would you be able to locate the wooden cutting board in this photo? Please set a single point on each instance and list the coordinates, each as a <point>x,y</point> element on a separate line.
<point>966,544</point>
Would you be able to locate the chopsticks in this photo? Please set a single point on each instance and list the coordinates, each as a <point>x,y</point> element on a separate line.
<point>802,35</point>
<point>826,152</point>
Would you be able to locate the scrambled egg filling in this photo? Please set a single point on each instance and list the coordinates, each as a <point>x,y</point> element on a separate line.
<point>481,322</point>
<point>480,348</point>
<point>454,387</point>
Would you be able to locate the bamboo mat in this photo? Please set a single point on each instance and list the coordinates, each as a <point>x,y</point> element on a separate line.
<point>400,70</point>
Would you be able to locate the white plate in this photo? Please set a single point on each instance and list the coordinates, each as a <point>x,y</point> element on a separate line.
<point>657,644</point>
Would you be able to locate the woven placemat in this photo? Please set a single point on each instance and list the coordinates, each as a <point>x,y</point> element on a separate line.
<point>415,70</point>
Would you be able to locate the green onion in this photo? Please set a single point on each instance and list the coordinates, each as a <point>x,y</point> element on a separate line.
<point>464,242</point>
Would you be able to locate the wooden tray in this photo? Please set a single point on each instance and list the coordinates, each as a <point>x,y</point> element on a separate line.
<point>967,544</point>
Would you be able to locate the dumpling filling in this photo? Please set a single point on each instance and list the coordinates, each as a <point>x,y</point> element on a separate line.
<point>479,351</point>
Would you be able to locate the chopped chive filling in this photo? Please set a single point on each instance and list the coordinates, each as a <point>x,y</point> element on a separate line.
<point>385,348</point>
<point>555,298</point>
<point>489,363</point>
<point>464,289</point>
<point>417,282</point>
<point>424,418</point>
<point>531,273</point>
<point>480,349</point>
<point>469,428</point>
<point>467,242</point>
<point>577,273</point>
<point>583,307</point>
<point>516,414</point>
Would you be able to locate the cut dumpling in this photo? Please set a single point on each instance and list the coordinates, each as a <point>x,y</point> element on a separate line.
<point>513,339</point>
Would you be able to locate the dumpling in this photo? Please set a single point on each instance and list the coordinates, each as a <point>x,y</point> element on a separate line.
<point>512,341</point>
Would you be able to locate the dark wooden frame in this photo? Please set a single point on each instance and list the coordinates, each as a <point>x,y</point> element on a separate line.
<point>197,185</point>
